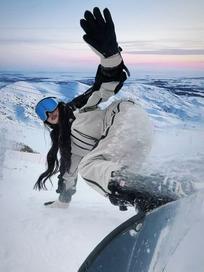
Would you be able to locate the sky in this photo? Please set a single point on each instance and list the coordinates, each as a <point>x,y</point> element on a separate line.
<point>156,35</point>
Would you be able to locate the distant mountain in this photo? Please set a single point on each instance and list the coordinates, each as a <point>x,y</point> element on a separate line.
<point>18,98</point>
<point>169,102</point>
<point>182,86</point>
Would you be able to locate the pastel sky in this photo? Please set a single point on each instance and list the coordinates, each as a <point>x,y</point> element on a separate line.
<point>45,35</point>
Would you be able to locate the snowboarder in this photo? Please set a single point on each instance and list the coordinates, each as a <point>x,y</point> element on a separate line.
<point>105,144</point>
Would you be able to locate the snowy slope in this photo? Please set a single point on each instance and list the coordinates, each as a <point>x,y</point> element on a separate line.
<point>19,95</point>
<point>173,101</point>
<point>35,238</point>
<point>18,99</point>
<point>167,105</point>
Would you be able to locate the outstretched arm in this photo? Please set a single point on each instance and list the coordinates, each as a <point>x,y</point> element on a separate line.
<point>111,73</point>
<point>66,185</point>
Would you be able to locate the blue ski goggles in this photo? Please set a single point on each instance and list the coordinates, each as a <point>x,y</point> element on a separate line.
<point>47,104</point>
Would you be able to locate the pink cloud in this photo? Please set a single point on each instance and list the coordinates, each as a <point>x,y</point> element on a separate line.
<point>187,61</point>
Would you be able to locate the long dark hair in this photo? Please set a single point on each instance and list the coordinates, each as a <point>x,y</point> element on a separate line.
<point>61,143</point>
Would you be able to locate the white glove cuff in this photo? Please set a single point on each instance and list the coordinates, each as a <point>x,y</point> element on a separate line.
<point>109,62</point>
<point>112,61</point>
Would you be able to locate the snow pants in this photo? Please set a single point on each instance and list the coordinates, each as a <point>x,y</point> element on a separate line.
<point>126,142</point>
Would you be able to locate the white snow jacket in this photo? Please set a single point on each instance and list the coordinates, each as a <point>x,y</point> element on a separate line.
<point>99,142</point>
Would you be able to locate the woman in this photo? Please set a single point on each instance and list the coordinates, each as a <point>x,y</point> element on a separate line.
<point>105,145</point>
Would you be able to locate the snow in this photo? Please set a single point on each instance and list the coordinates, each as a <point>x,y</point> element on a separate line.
<point>184,239</point>
<point>38,238</point>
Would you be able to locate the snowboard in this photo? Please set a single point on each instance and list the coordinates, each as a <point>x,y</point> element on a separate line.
<point>155,241</point>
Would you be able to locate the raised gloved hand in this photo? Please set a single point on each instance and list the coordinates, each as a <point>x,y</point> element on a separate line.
<point>100,31</point>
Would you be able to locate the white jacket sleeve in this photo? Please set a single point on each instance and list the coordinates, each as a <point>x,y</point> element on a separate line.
<point>71,176</point>
<point>109,76</point>
<point>70,180</point>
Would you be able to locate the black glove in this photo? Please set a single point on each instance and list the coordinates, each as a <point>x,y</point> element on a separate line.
<point>100,32</point>
<point>48,203</point>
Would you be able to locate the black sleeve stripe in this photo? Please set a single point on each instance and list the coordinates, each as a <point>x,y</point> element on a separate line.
<point>112,121</point>
<point>82,147</point>
<point>81,140</point>
<point>86,136</point>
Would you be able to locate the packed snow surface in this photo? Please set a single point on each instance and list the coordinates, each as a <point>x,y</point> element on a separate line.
<point>38,238</point>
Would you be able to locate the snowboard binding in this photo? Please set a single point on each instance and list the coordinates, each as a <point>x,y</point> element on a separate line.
<point>141,202</point>
<point>139,192</point>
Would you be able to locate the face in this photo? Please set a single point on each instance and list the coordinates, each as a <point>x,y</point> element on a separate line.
<point>53,117</point>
